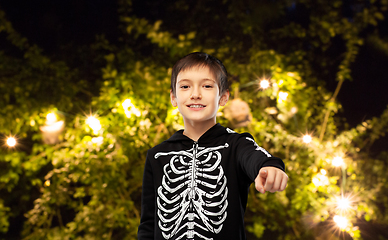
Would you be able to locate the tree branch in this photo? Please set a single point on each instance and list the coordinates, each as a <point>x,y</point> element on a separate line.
<point>332,99</point>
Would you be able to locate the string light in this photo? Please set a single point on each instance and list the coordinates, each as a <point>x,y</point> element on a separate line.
<point>337,162</point>
<point>51,118</point>
<point>52,128</point>
<point>341,221</point>
<point>11,141</point>
<point>307,139</point>
<point>264,84</point>
<point>94,124</point>
<point>343,204</point>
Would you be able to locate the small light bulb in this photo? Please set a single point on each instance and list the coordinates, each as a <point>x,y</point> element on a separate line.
<point>264,84</point>
<point>342,222</point>
<point>47,183</point>
<point>343,203</point>
<point>11,142</point>
<point>307,139</point>
<point>337,161</point>
<point>93,123</point>
<point>51,118</point>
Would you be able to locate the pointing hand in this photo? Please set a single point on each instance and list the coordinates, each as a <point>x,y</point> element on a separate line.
<point>271,179</point>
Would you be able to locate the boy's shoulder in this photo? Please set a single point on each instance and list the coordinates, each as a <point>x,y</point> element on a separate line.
<point>166,144</point>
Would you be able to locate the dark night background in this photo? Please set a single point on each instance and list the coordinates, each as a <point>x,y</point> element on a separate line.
<point>58,25</point>
<point>52,24</point>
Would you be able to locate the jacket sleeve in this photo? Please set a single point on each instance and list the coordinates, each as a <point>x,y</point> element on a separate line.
<point>252,157</point>
<point>146,227</point>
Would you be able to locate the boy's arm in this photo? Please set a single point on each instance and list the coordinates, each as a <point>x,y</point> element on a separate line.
<point>267,171</point>
<point>146,227</point>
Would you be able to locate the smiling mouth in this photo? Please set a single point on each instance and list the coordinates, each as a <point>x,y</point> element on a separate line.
<point>196,106</point>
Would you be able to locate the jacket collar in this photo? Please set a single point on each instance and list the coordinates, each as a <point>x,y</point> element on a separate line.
<point>209,136</point>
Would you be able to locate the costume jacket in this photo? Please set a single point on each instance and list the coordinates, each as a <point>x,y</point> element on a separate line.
<point>199,189</point>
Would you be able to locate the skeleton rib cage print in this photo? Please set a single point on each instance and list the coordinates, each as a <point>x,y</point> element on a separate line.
<point>192,199</point>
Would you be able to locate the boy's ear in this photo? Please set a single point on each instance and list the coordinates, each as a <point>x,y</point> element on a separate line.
<point>224,98</point>
<point>173,99</point>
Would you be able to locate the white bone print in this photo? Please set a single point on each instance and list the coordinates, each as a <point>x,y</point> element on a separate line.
<point>192,199</point>
<point>258,148</point>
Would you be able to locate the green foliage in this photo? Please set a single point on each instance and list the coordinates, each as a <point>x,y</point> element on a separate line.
<point>88,184</point>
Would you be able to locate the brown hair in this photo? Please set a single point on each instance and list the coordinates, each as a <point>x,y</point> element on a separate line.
<point>200,59</point>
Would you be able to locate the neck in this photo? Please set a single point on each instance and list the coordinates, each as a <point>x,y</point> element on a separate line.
<point>195,131</point>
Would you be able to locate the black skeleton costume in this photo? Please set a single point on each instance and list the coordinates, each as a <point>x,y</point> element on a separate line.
<point>199,190</point>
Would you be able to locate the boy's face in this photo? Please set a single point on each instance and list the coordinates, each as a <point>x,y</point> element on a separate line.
<point>198,96</point>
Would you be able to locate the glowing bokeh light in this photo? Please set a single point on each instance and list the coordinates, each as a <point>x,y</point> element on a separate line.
<point>11,142</point>
<point>316,181</point>
<point>342,222</point>
<point>51,118</point>
<point>47,183</point>
<point>307,139</point>
<point>294,110</point>
<point>136,112</point>
<point>343,203</point>
<point>264,84</point>
<point>94,124</point>
<point>98,140</point>
<point>283,96</point>
<point>320,180</point>
<point>130,109</point>
<point>337,162</point>
<point>55,127</point>
<point>291,74</point>
<point>127,103</point>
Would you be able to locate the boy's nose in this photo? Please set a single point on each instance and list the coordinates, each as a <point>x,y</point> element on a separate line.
<point>196,94</point>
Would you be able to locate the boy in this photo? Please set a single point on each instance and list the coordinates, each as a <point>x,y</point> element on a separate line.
<point>195,184</point>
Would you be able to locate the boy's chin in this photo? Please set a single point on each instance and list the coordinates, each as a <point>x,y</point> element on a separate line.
<point>199,120</point>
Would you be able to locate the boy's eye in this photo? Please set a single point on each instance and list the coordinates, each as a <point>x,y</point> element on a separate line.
<point>208,86</point>
<point>184,86</point>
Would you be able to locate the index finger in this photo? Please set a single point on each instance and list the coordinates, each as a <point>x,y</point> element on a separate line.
<point>270,180</point>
